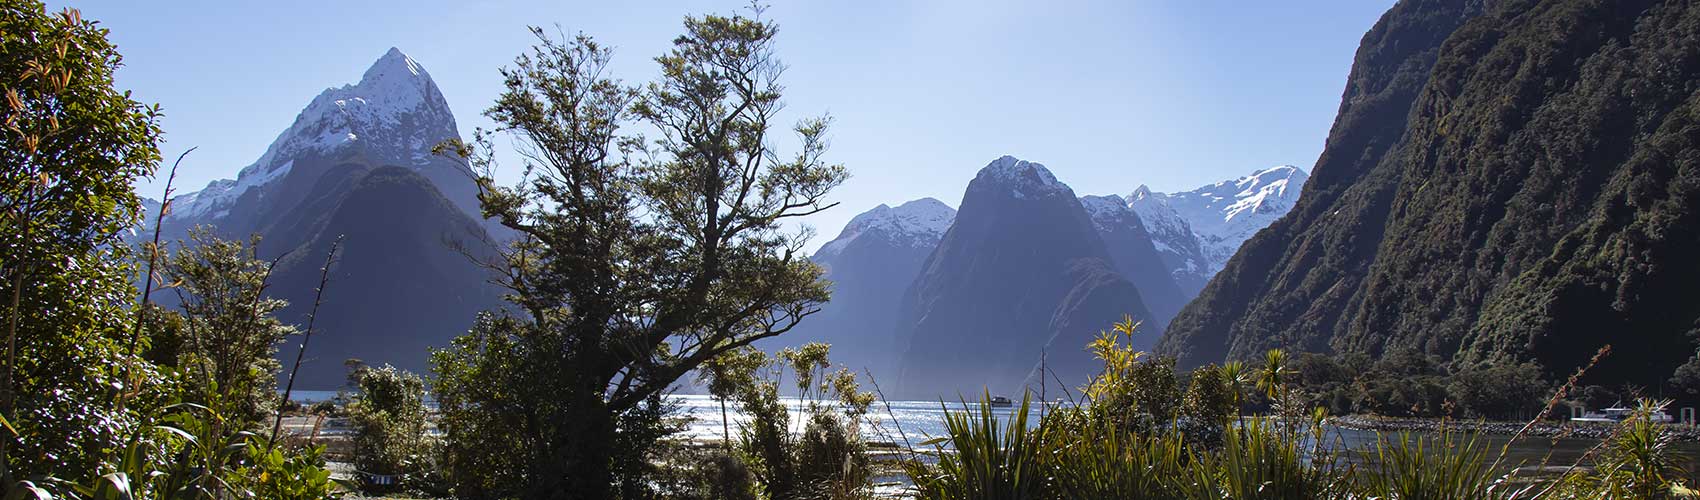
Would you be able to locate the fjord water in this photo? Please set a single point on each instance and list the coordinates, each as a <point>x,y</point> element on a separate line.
<point>917,421</point>
<point>923,420</point>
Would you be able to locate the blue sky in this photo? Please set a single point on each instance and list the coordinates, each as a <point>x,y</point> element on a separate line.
<point>1108,94</point>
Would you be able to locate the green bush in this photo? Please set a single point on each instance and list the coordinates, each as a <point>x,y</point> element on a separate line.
<point>1093,458</point>
<point>388,417</point>
<point>280,474</point>
<point>1207,407</point>
<point>828,459</point>
<point>189,452</point>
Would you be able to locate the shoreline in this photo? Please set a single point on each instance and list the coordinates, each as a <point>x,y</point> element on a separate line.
<point>1543,429</point>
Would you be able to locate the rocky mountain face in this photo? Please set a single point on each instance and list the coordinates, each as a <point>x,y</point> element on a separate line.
<point>870,264</point>
<point>1197,231</point>
<point>1177,245</point>
<point>1134,253</point>
<point>1021,274</point>
<point>1510,180</point>
<point>356,162</point>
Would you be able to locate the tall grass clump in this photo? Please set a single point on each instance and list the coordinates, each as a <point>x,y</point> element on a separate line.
<point>1099,460</point>
<point>1261,461</point>
<point>986,459</point>
<point>1450,466</point>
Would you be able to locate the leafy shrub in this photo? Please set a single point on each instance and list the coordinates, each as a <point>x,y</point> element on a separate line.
<point>279,474</point>
<point>230,331</point>
<point>189,452</point>
<point>1133,388</point>
<point>828,459</point>
<point>1207,406</point>
<point>388,417</point>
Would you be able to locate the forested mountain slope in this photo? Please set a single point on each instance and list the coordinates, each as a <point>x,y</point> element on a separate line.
<point>1505,180</point>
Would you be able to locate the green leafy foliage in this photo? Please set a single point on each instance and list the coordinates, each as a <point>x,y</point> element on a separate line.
<point>388,417</point>
<point>230,331</point>
<point>1134,388</point>
<point>1087,452</point>
<point>637,261</point>
<point>828,458</point>
<point>1093,458</point>
<point>1264,461</point>
<point>286,474</point>
<point>72,146</point>
<point>1448,466</point>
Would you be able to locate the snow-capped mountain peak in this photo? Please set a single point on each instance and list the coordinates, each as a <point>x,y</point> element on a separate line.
<point>918,222</point>
<point>395,62</point>
<point>1025,179</point>
<point>1200,229</point>
<point>395,113</point>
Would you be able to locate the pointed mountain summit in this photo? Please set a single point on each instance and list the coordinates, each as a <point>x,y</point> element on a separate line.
<point>1021,272</point>
<point>871,262</point>
<point>357,162</point>
<point>392,116</point>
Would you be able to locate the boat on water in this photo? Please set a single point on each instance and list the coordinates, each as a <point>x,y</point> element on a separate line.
<point>1618,413</point>
<point>1001,402</point>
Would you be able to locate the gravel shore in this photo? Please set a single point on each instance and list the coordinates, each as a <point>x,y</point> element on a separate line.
<point>1584,430</point>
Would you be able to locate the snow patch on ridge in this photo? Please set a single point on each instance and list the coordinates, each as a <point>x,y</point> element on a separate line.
<point>219,195</point>
<point>916,223</point>
<point>1219,217</point>
<point>1106,212</point>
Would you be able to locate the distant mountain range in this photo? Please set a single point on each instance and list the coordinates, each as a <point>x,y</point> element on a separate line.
<point>357,162</point>
<point>871,263</point>
<point>1505,180</point>
<point>1197,231</point>
<point>927,299</point>
<point>933,301</point>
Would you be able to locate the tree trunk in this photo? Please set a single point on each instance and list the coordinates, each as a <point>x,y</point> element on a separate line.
<point>580,468</point>
<point>725,430</point>
<point>6,384</point>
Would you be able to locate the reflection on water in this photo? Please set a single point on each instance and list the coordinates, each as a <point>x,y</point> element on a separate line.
<point>916,420</point>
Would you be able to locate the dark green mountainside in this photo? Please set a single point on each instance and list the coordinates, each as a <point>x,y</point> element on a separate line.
<point>1514,180</point>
